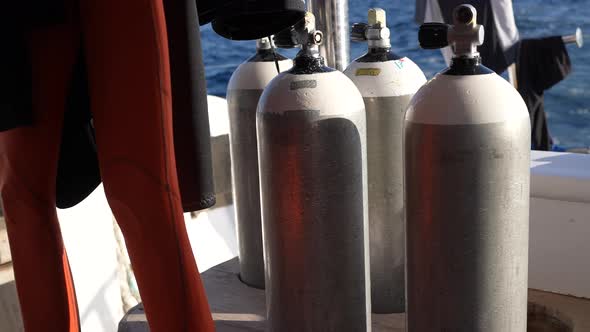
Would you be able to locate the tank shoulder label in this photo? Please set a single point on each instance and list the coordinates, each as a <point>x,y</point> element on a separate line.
<point>368,72</point>
<point>306,84</point>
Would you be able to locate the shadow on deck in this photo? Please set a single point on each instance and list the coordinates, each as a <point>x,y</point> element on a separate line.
<point>237,307</point>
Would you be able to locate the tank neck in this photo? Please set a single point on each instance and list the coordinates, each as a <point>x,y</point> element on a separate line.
<point>467,65</point>
<point>466,61</point>
<point>266,55</point>
<point>309,61</point>
<point>378,50</point>
<point>380,54</point>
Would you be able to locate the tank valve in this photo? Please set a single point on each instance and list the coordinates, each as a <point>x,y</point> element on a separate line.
<point>303,34</point>
<point>264,43</point>
<point>375,32</point>
<point>463,36</point>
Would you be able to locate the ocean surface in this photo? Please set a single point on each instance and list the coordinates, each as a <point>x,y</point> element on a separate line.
<point>567,104</point>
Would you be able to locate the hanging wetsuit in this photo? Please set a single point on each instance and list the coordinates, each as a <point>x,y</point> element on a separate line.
<point>16,18</point>
<point>78,173</point>
<point>541,63</point>
<point>192,142</point>
<point>126,56</point>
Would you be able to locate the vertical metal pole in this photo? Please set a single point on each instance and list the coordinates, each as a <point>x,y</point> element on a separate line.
<point>332,20</point>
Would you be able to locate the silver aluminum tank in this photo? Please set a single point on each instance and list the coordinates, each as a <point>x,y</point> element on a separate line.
<point>387,82</point>
<point>244,90</point>
<point>312,148</point>
<point>467,157</point>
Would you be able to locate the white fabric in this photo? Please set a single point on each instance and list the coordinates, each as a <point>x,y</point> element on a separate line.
<point>505,24</point>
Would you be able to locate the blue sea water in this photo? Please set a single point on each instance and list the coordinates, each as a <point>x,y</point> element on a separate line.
<point>567,104</point>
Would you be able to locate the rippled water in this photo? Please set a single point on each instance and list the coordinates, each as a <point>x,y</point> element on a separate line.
<point>567,104</point>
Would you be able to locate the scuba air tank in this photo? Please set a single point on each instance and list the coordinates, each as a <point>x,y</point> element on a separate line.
<point>311,148</point>
<point>387,82</point>
<point>467,156</point>
<point>244,90</point>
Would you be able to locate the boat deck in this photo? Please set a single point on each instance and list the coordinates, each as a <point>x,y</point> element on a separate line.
<point>237,307</point>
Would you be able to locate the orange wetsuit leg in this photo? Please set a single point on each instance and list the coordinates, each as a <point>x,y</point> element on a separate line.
<point>127,58</point>
<point>28,167</point>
